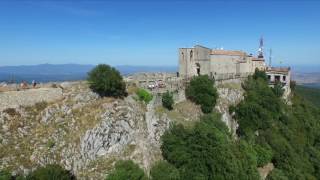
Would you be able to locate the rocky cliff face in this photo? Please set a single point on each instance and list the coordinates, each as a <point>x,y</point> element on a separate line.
<point>82,132</point>
<point>228,97</point>
<point>87,134</point>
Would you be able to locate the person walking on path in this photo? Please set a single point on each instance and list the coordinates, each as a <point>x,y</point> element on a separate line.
<point>34,84</point>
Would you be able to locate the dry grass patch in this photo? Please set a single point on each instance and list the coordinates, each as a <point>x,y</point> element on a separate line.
<point>230,85</point>
<point>132,89</point>
<point>88,117</point>
<point>186,113</point>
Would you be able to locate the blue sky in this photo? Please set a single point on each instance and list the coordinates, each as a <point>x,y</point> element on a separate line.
<point>150,32</point>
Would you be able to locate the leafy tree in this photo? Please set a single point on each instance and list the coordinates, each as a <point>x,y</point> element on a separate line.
<point>260,75</point>
<point>202,92</point>
<point>144,95</point>
<point>163,170</point>
<point>278,89</point>
<point>126,170</point>
<point>106,81</point>
<point>50,172</point>
<point>167,100</point>
<point>258,109</point>
<point>293,85</point>
<point>208,152</point>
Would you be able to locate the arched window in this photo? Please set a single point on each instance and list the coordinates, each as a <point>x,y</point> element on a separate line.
<point>191,54</point>
<point>198,68</point>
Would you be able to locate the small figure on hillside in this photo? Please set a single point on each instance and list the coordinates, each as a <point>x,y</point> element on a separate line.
<point>24,85</point>
<point>34,83</point>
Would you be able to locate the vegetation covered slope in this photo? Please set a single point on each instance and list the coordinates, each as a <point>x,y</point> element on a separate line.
<point>290,133</point>
<point>270,131</point>
<point>310,94</point>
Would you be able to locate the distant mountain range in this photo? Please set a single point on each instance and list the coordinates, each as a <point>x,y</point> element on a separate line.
<point>66,72</point>
<point>303,74</point>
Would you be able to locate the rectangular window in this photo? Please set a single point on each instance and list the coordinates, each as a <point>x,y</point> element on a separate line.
<point>284,78</point>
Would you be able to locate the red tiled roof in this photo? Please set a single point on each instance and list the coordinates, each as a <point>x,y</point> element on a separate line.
<point>278,69</point>
<point>257,59</point>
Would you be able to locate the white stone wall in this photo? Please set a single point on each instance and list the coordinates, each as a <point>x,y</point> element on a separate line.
<point>186,63</point>
<point>220,66</point>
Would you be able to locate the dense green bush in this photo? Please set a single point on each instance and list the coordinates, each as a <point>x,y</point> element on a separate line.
<point>163,170</point>
<point>144,95</point>
<point>167,100</point>
<point>264,155</point>
<point>106,81</point>
<point>207,151</point>
<point>278,90</point>
<point>5,175</point>
<point>276,174</point>
<point>50,172</point>
<point>125,170</point>
<point>202,92</point>
<point>254,113</point>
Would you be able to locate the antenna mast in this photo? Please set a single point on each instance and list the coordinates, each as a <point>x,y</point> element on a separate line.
<point>270,57</point>
<point>260,51</point>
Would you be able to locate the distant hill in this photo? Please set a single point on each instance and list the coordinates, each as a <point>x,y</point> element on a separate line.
<point>66,72</point>
<point>308,75</point>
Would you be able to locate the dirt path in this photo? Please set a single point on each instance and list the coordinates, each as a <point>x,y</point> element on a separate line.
<point>13,99</point>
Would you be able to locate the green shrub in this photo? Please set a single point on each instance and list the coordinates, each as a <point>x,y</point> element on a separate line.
<point>50,172</point>
<point>293,85</point>
<point>144,95</point>
<point>106,81</point>
<point>50,144</point>
<point>5,175</point>
<point>264,155</point>
<point>163,170</point>
<point>278,90</point>
<point>167,100</point>
<point>201,91</point>
<point>125,170</point>
<point>276,174</point>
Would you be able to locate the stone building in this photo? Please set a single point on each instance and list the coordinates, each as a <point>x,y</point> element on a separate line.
<point>229,64</point>
<point>280,75</point>
<point>216,63</point>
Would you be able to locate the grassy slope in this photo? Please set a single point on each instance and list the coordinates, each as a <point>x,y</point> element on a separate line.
<point>311,94</point>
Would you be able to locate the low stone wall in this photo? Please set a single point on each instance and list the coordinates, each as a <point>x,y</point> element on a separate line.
<point>14,99</point>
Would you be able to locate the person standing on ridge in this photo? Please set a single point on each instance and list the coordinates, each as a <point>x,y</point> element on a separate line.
<point>34,84</point>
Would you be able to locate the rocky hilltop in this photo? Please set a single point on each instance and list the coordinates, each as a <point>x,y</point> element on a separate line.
<point>72,126</point>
